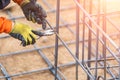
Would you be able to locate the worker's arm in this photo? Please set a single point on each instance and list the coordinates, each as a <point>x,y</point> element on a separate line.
<point>17,30</point>
<point>21,31</point>
<point>5,25</point>
<point>32,11</point>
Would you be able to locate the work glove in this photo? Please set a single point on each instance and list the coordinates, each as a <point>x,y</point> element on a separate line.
<point>24,33</point>
<point>34,12</point>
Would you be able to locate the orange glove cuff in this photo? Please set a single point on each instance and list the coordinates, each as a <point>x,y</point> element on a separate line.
<point>21,2</point>
<point>18,1</point>
<point>5,25</point>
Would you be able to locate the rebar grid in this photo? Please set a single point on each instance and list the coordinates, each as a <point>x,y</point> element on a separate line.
<point>96,49</point>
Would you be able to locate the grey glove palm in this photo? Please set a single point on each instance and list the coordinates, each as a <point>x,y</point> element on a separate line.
<point>34,12</point>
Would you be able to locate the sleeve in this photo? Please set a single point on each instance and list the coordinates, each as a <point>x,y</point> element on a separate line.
<point>4,3</point>
<point>18,1</point>
<point>5,25</point>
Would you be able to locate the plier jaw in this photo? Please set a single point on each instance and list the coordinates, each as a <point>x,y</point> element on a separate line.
<point>44,33</point>
<point>48,32</point>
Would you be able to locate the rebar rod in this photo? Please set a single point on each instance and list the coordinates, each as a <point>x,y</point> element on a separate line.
<point>97,40</point>
<point>74,63</point>
<point>47,4</point>
<point>48,46</point>
<point>86,61</point>
<point>89,36</point>
<point>112,23</point>
<point>83,36</point>
<point>34,49</point>
<point>56,37</point>
<point>59,66</point>
<point>101,63</point>
<point>109,71</point>
<point>97,26</point>
<point>104,38</point>
<point>56,33</point>
<point>64,22</point>
<point>103,43</point>
<point>70,52</point>
<point>49,63</point>
<point>77,38</point>
<point>26,72</point>
<point>5,73</point>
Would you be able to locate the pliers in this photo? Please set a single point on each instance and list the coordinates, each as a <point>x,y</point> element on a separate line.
<point>44,33</point>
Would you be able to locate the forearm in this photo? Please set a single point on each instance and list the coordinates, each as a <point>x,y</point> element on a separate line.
<point>5,25</point>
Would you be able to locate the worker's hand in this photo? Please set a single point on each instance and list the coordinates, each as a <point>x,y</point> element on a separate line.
<point>34,12</point>
<point>24,33</point>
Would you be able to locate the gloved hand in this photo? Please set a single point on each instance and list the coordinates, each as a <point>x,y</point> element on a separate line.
<point>34,12</point>
<point>24,33</point>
